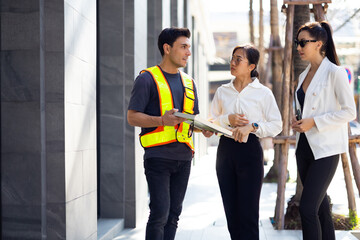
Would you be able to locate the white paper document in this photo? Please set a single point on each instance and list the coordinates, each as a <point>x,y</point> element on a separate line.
<point>203,124</point>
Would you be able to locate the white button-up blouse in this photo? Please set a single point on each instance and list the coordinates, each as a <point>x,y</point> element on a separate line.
<point>256,101</point>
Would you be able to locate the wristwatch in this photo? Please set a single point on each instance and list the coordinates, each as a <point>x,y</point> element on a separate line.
<point>255,126</point>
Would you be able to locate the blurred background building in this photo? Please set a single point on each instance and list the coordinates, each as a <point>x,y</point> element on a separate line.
<point>229,22</point>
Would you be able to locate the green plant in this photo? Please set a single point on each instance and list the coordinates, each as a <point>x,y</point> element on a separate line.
<point>353,219</point>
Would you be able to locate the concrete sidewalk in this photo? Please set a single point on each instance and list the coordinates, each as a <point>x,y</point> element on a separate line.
<point>203,216</point>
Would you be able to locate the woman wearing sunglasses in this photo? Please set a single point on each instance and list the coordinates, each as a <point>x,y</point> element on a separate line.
<point>250,110</point>
<point>326,104</point>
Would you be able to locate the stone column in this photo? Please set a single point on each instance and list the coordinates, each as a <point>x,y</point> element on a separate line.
<point>122,54</point>
<point>48,156</point>
<point>177,13</point>
<point>80,119</point>
<point>111,109</point>
<point>174,13</point>
<point>32,103</point>
<point>154,27</point>
<point>140,63</point>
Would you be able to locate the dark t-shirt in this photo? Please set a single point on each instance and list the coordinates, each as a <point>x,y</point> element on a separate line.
<point>145,99</point>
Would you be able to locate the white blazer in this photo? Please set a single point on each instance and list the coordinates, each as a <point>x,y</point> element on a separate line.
<point>330,101</point>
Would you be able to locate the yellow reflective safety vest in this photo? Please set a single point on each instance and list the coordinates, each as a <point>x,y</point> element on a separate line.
<point>168,134</point>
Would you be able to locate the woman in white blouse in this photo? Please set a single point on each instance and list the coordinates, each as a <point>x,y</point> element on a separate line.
<point>325,103</point>
<point>250,110</point>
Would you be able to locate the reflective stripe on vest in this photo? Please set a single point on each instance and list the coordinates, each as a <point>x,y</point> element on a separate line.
<point>168,134</point>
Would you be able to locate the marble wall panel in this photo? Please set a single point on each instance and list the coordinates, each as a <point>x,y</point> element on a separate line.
<point>22,29</point>
<point>112,209</point>
<point>140,49</point>
<point>166,14</point>
<point>154,27</point>
<point>80,118</point>
<point>74,175</point>
<point>140,36</point>
<point>85,43</point>
<point>19,6</point>
<point>174,13</point>
<point>74,70</point>
<point>54,15</point>
<point>110,71</point>
<point>55,178</point>
<point>20,178</point>
<point>93,125</point>
<point>81,220</point>
<point>110,181</point>
<point>56,225</point>
<point>111,28</point>
<point>22,131</point>
<point>21,222</point>
<point>112,132</point>
<point>110,12</point>
<point>128,137</point>
<point>55,137</point>
<point>69,29</point>
<point>180,13</point>
<point>89,171</point>
<point>77,125</point>
<point>88,87</point>
<point>93,237</point>
<point>84,7</point>
<point>54,70</point>
<point>20,76</point>
<point>111,104</point>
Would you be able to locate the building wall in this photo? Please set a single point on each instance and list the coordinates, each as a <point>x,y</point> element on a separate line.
<point>203,51</point>
<point>122,54</point>
<point>48,147</point>
<point>32,126</point>
<point>111,109</point>
<point>140,63</point>
<point>67,67</point>
<point>80,119</point>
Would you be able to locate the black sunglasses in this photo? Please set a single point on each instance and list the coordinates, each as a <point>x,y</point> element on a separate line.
<point>303,42</point>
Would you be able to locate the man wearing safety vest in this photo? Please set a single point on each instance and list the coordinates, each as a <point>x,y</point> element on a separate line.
<point>158,92</point>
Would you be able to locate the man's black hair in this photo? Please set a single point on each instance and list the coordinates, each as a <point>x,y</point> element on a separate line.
<point>169,36</point>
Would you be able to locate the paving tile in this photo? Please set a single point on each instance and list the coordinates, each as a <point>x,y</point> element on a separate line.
<point>203,215</point>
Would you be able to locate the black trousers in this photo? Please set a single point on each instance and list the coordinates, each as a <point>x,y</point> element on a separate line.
<point>315,176</point>
<point>167,181</point>
<point>240,171</point>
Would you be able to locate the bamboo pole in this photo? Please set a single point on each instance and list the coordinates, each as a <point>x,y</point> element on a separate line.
<point>276,61</point>
<point>251,22</point>
<point>348,183</point>
<point>354,161</point>
<point>318,12</point>
<point>292,140</point>
<point>354,164</point>
<point>268,65</point>
<point>280,200</point>
<point>261,42</point>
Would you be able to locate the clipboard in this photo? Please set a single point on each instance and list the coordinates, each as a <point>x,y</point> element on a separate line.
<point>203,124</point>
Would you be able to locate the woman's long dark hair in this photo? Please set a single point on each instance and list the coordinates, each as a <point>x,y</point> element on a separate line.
<point>321,31</point>
<point>252,55</point>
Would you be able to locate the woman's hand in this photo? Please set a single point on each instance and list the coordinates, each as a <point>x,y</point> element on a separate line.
<point>302,125</point>
<point>207,133</point>
<point>238,120</point>
<point>240,133</point>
